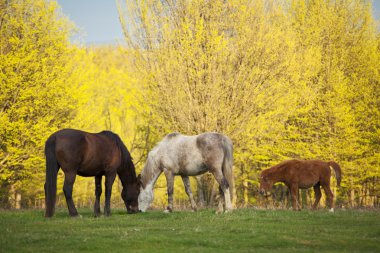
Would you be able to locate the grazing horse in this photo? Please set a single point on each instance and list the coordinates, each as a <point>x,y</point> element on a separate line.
<point>186,156</point>
<point>89,155</point>
<point>297,174</point>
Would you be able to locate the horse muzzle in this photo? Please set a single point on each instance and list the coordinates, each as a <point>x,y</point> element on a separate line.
<point>264,193</point>
<point>132,210</point>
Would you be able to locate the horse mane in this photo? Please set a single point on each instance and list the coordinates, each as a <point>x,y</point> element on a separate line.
<point>274,169</point>
<point>126,159</point>
<point>172,135</point>
<point>149,165</point>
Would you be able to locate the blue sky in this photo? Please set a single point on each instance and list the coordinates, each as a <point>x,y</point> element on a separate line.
<point>99,20</point>
<point>376,8</point>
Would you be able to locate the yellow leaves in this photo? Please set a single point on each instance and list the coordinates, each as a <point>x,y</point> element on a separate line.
<point>38,83</point>
<point>286,75</point>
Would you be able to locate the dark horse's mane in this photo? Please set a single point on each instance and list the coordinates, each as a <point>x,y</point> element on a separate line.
<point>126,159</point>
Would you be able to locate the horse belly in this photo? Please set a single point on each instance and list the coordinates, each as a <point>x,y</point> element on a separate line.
<point>90,170</point>
<point>89,173</point>
<point>193,170</point>
<point>307,180</point>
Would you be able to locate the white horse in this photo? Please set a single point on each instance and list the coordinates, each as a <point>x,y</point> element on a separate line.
<point>186,156</point>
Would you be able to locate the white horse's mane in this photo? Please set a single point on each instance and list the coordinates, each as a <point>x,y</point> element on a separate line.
<point>152,164</point>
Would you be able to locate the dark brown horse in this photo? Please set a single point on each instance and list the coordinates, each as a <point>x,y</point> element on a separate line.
<point>297,174</point>
<point>89,155</point>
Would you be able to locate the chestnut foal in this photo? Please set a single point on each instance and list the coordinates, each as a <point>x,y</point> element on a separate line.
<point>297,174</point>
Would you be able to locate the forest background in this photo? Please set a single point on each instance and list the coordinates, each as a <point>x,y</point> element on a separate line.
<point>283,79</point>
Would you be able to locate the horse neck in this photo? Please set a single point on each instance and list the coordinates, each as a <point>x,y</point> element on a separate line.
<point>275,174</point>
<point>127,172</point>
<point>150,173</point>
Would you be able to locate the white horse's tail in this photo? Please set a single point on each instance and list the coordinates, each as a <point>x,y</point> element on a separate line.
<point>227,167</point>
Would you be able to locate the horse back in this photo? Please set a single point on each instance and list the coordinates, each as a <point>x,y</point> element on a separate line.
<point>89,153</point>
<point>210,141</point>
<point>70,145</point>
<point>192,155</point>
<point>307,172</point>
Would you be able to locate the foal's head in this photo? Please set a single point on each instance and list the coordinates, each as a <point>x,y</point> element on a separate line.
<point>266,183</point>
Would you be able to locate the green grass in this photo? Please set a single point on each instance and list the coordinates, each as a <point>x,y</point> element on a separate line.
<point>244,230</point>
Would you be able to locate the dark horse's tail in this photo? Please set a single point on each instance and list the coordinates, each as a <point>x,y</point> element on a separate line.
<point>52,168</point>
<point>337,170</point>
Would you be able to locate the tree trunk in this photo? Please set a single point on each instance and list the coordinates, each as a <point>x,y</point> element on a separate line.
<point>352,197</point>
<point>245,193</point>
<point>18,201</point>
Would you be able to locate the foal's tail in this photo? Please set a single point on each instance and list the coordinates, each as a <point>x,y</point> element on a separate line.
<point>52,168</point>
<point>337,170</point>
<point>227,167</point>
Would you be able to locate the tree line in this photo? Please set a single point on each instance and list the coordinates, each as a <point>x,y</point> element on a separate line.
<point>283,79</point>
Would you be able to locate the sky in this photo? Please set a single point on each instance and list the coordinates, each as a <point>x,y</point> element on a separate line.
<point>99,19</point>
<point>376,8</point>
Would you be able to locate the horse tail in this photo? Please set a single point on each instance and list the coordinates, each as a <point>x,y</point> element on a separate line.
<point>227,167</point>
<point>337,170</point>
<point>52,168</point>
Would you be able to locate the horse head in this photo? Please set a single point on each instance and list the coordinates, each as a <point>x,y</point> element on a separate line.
<point>147,179</point>
<point>266,184</point>
<point>130,196</point>
<point>146,196</point>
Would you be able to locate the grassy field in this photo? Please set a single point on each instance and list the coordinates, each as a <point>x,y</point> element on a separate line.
<point>244,230</point>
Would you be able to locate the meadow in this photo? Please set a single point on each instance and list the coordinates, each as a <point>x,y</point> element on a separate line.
<point>244,230</point>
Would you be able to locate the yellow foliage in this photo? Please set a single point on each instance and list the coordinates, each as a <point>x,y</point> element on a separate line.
<point>293,79</point>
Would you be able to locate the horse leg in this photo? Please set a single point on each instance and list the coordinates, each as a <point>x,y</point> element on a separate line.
<point>201,195</point>
<point>295,192</point>
<point>109,182</point>
<point>224,187</point>
<point>186,183</point>
<point>317,193</point>
<point>68,191</point>
<point>329,196</point>
<point>98,193</point>
<point>170,187</point>
<point>221,201</point>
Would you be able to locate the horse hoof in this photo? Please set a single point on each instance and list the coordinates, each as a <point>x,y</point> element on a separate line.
<point>168,209</point>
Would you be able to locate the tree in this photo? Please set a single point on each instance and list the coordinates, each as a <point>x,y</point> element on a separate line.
<point>40,80</point>
<point>282,80</point>
<point>209,65</point>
